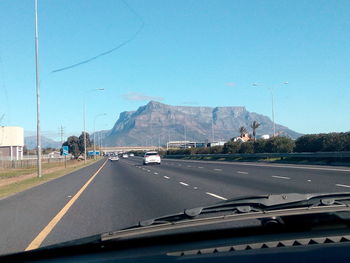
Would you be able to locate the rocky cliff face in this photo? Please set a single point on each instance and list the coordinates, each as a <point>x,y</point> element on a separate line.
<point>158,123</point>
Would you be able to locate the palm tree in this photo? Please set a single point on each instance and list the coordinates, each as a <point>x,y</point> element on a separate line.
<point>254,126</point>
<point>242,130</point>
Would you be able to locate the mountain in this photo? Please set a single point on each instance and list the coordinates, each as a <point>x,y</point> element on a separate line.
<point>158,123</point>
<point>30,142</point>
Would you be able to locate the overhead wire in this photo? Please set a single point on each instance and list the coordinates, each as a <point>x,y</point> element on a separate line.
<point>137,32</point>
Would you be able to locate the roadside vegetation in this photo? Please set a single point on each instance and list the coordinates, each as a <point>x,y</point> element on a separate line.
<point>248,144</point>
<point>16,180</point>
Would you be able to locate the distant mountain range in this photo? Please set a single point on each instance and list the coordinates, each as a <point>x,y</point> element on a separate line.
<point>156,123</point>
<point>30,142</point>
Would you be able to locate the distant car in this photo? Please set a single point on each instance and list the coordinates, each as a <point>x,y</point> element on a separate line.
<point>151,157</point>
<point>114,158</point>
<point>131,155</point>
<point>125,155</point>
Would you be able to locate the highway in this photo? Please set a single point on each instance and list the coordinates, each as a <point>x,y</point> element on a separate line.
<point>109,195</point>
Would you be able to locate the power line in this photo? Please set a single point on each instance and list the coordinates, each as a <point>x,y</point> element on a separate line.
<point>111,50</point>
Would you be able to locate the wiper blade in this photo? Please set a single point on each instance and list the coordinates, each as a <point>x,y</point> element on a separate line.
<point>263,203</point>
<point>277,208</point>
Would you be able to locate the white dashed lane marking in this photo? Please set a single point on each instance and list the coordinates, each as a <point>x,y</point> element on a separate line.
<point>216,169</point>
<point>183,183</point>
<point>280,177</point>
<point>155,173</point>
<point>343,185</point>
<point>239,172</point>
<point>166,177</point>
<point>216,196</point>
<point>200,167</point>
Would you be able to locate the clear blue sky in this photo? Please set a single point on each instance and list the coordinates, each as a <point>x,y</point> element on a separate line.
<point>188,53</point>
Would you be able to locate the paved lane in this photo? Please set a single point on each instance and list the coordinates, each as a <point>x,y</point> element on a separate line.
<point>236,179</point>
<point>24,215</point>
<point>125,192</point>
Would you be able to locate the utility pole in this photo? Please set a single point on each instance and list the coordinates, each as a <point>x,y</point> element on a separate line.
<point>38,135</point>
<point>158,142</point>
<point>212,129</point>
<point>61,134</point>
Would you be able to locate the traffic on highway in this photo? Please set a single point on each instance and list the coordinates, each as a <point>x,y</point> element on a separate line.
<point>182,190</point>
<point>174,131</point>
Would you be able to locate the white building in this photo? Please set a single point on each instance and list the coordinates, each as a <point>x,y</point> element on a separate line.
<point>184,144</point>
<point>265,137</point>
<point>11,143</point>
<point>218,143</point>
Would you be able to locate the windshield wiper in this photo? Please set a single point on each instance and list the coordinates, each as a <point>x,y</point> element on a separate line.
<point>263,203</point>
<point>263,208</point>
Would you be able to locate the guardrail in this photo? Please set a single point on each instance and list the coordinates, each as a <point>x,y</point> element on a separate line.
<point>320,155</point>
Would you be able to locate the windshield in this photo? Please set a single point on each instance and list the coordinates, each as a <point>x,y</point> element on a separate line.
<point>151,154</point>
<point>238,98</point>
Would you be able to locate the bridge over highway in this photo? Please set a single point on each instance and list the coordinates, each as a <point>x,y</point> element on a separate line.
<point>128,148</point>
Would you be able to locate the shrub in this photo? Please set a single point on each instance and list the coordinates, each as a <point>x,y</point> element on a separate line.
<point>279,145</point>
<point>231,147</point>
<point>247,147</point>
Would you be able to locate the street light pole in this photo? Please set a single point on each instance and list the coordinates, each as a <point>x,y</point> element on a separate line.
<point>272,106</point>
<point>38,136</point>
<point>212,129</point>
<point>98,115</point>
<point>273,112</point>
<point>84,118</point>
<point>84,134</point>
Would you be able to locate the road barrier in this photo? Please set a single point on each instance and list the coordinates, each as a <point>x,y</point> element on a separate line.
<point>306,155</point>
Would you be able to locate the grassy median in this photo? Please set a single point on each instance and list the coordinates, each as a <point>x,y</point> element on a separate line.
<point>20,181</point>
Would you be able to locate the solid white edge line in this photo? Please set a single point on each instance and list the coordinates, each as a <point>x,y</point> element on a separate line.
<point>216,196</point>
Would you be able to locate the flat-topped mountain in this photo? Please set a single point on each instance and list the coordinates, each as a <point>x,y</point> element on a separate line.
<point>156,123</point>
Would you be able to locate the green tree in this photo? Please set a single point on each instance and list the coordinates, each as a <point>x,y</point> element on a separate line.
<point>247,147</point>
<point>254,126</point>
<point>279,144</point>
<point>260,146</point>
<point>73,144</point>
<point>81,142</point>
<point>323,142</point>
<point>231,147</point>
<point>242,131</point>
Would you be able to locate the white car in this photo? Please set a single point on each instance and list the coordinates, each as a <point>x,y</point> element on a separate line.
<point>125,155</point>
<point>114,158</point>
<point>151,157</point>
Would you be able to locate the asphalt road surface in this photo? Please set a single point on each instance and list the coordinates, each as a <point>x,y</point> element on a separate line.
<point>109,195</point>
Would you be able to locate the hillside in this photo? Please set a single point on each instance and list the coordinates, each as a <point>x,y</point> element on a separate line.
<point>158,123</point>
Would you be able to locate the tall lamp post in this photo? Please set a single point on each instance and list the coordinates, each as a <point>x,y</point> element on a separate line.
<point>98,115</point>
<point>84,119</point>
<point>38,135</point>
<point>272,106</point>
